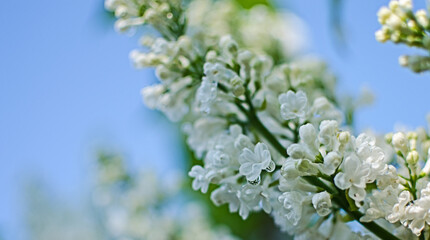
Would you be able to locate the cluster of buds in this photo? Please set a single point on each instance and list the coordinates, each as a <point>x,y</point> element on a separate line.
<point>270,135</point>
<point>139,205</point>
<point>165,15</point>
<point>401,25</point>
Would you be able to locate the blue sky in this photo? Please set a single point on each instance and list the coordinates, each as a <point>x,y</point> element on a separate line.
<point>68,88</point>
<point>400,94</point>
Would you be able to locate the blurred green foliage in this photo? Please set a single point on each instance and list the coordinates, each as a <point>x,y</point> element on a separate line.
<point>257,226</point>
<point>250,3</point>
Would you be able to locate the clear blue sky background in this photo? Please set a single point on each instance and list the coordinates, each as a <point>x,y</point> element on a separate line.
<point>68,88</point>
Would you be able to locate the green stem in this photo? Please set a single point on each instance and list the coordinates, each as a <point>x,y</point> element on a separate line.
<point>371,226</point>
<point>340,200</point>
<point>412,180</point>
<point>259,126</point>
<point>339,197</point>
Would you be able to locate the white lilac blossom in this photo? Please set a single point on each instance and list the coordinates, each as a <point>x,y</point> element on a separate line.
<point>282,35</point>
<point>139,205</point>
<point>398,212</point>
<point>207,92</point>
<point>202,178</point>
<point>402,26</point>
<point>293,105</point>
<point>381,203</point>
<point>293,204</point>
<point>327,134</point>
<point>353,177</point>
<point>322,203</point>
<point>268,127</point>
<point>253,162</point>
<point>418,213</point>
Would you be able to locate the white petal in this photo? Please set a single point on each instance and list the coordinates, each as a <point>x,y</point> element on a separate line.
<point>342,181</point>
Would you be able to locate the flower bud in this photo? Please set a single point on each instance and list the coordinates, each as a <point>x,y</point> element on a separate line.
<point>308,134</point>
<point>184,44</point>
<point>406,4</point>
<point>289,170</point>
<point>237,84</point>
<point>389,138</point>
<point>382,35</point>
<point>400,142</point>
<point>412,135</point>
<point>421,16</point>
<point>404,61</point>
<point>333,159</point>
<point>394,22</point>
<point>419,63</point>
<point>296,151</point>
<point>344,137</point>
<point>322,203</point>
<point>164,8</point>
<point>383,14</point>
<point>243,141</point>
<point>121,11</point>
<point>413,25</point>
<point>150,15</point>
<point>146,41</point>
<point>164,74</point>
<point>395,36</point>
<point>211,56</point>
<point>151,95</point>
<point>185,63</point>
<point>122,25</point>
<point>307,167</point>
<point>412,157</point>
<point>228,45</point>
<point>426,168</point>
<point>393,5</point>
<point>244,57</point>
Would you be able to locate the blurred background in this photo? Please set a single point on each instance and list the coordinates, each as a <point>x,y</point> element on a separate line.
<point>67,90</point>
